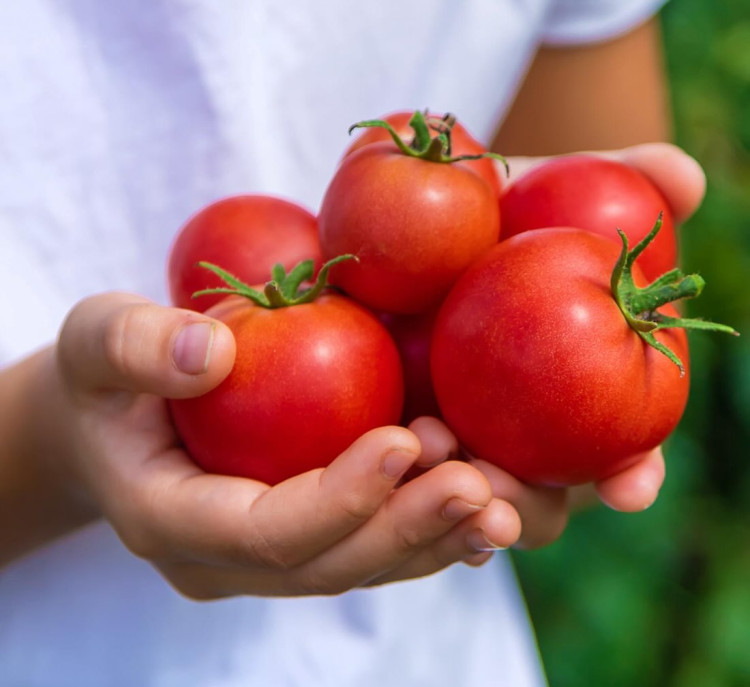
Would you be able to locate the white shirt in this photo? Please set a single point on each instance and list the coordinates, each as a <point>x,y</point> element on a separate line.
<point>118,120</point>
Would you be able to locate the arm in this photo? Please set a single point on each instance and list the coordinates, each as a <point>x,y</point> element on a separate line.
<point>609,97</point>
<point>35,504</point>
<point>604,96</point>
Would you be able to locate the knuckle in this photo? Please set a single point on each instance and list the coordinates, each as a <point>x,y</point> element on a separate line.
<point>464,481</point>
<point>118,335</point>
<point>266,553</point>
<point>355,506</point>
<point>407,540</point>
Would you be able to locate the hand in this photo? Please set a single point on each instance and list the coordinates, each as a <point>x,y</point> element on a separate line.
<point>322,532</point>
<point>544,512</point>
<point>679,176</point>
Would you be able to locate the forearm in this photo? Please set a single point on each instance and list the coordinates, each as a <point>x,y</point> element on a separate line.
<point>37,500</point>
<point>606,95</point>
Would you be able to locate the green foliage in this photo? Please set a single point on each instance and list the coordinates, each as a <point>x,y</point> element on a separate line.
<point>663,597</point>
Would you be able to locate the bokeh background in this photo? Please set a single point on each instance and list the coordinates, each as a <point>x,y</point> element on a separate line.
<point>663,597</point>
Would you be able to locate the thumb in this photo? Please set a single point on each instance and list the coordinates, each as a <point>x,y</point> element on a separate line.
<point>122,342</point>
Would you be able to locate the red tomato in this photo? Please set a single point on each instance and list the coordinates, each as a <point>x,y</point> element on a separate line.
<point>597,195</point>
<point>413,336</point>
<point>537,370</point>
<point>414,224</point>
<point>462,143</point>
<point>246,235</point>
<point>307,381</point>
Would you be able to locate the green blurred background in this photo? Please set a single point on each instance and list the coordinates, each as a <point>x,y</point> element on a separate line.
<point>663,597</point>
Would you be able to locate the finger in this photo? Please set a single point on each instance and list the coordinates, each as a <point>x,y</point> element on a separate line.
<point>414,517</point>
<point>677,175</point>
<point>437,441</point>
<point>636,488</point>
<point>120,342</point>
<point>473,540</point>
<point>177,511</point>
<point>544,510</point>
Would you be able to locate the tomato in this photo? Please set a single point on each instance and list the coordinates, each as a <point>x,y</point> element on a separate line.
<point>413,337</point>
<point>414,224</point>
<point>246,235</point>
<point>462,143</point>
<point>597,195</point>
<point>537,370</point>
<point>307,381</point>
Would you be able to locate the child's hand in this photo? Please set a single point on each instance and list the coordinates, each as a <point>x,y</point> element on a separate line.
<point>322,532</point>
<point>677,175</point>
<point>544,511</point>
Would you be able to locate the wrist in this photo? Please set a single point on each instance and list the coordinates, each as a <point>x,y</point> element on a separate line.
<point>40,497</point>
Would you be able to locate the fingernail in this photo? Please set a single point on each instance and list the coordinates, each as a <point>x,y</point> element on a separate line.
<point>192,347</point>
<point>396,463</point>
<point>478,542</point>
<point>458,509</point>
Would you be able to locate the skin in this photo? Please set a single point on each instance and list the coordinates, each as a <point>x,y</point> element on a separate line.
<point>84,432</point>
<point>596,194</point>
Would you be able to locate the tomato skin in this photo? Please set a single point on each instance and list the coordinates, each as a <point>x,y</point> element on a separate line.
<point>415,226</point>
<point>413,337</point>
<point>537,371</point>
<point>462,143</point>
<point>307,381</point>
<point>597,195</point>
<point>244,234</point>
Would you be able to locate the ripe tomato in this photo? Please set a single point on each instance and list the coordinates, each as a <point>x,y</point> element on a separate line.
<point>413,337</point>
<point>307,381</point>
<point>537,370</point>
<point>246,235</point>
<point>414,224</point>
<point>597,195</point>
<point>462,143</point>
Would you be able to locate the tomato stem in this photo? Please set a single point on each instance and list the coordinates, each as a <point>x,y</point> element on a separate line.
<point>639,305</point>
<point>425,145</point>
<point>283,290</point>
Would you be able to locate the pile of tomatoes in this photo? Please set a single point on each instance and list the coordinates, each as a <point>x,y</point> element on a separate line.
<point>427,286</point>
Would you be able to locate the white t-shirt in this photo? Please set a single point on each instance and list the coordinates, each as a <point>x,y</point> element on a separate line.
<point>118,120</point>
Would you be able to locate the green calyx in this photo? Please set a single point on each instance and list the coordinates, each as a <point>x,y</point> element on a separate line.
<point>283,290</point>
<point>432,139</point>
<point>639,305</point>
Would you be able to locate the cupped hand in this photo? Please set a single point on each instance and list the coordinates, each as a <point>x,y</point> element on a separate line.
<point>676,174</point>
<point>352,524</point>
<point>544,511</point>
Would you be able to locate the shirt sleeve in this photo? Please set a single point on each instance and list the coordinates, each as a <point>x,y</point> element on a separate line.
<point>571,22</point>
